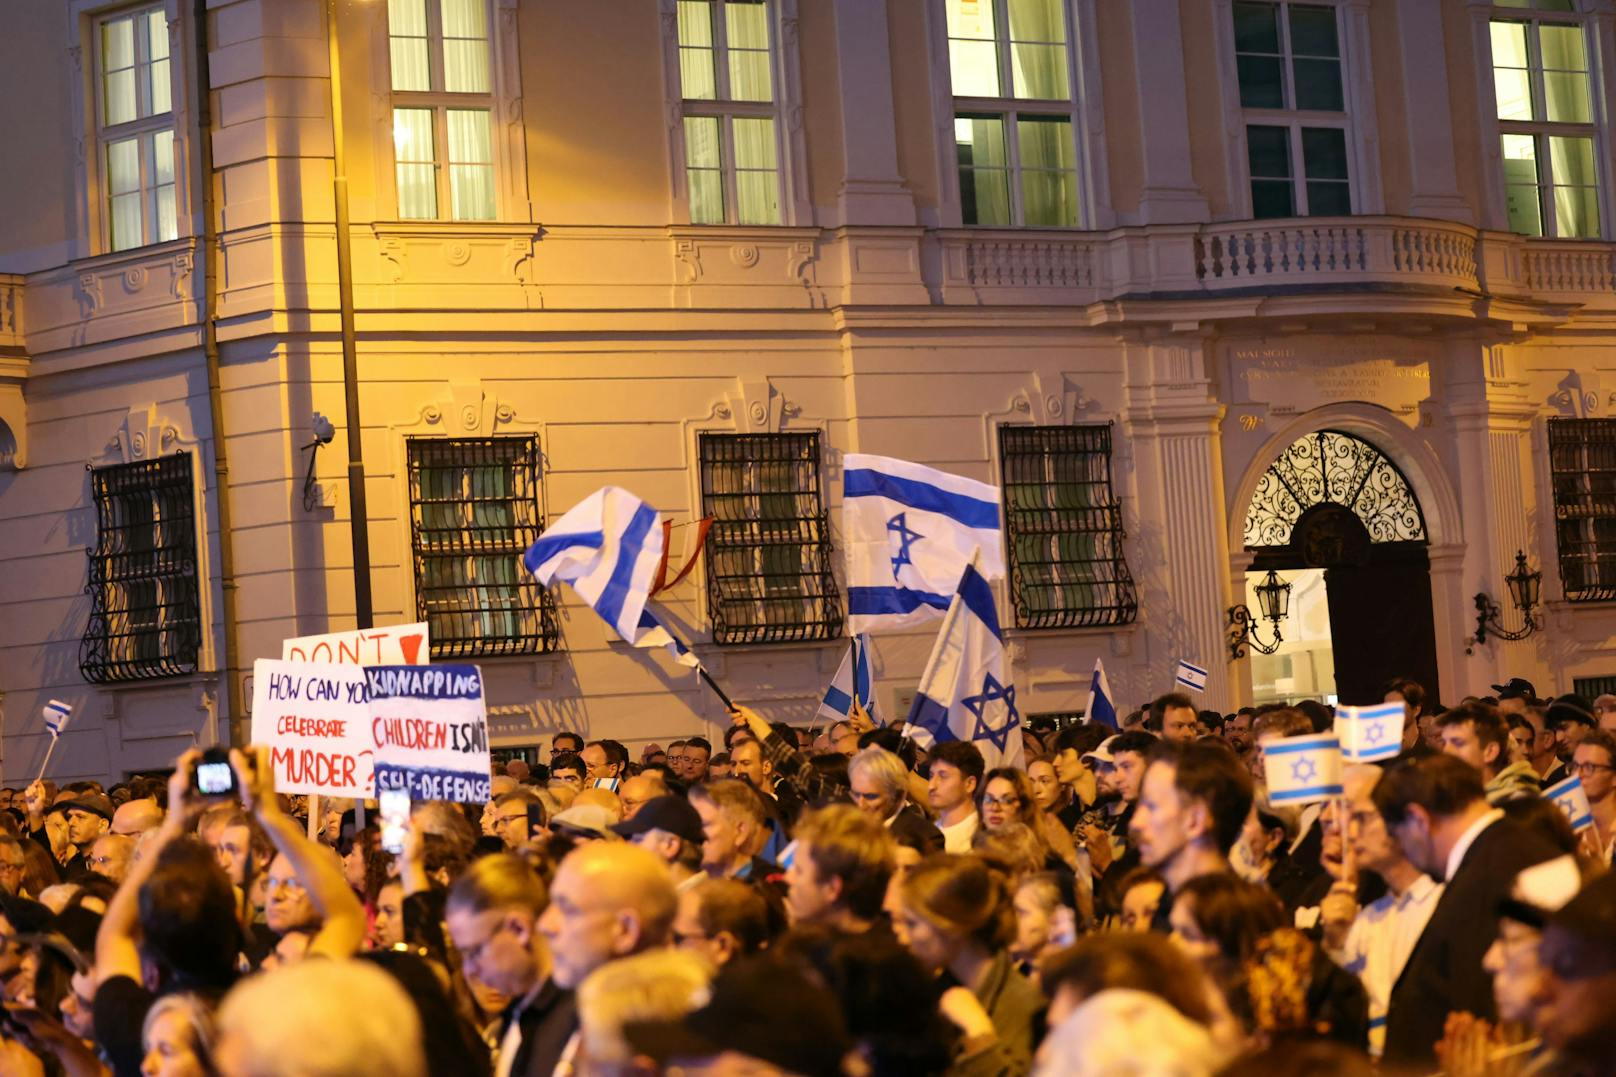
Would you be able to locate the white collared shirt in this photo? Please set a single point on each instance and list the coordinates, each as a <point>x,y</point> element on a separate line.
<point>1467,839</point>
<point>1379,945</point>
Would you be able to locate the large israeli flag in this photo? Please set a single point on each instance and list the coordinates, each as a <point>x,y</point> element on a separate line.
<point>1302,770</point>
<point>654,633</point>
<point>1370,734</point>
<point>608,547</point>
<point>852,681</point>
<point>910,531</point>
<point>965,693</point>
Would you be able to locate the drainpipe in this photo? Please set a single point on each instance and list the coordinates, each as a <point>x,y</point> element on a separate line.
<point>208,296</point>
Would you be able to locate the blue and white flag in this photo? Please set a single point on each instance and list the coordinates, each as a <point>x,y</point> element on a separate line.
<point>653,633</point>
<point>965,694</point>
<point>1100,707</point>
<point>608,546</point>
<point>1570,797</point>
<point>910,531</point>
<point>852,681</point>
<point>1302,770</point>
<point>1191,676</point>
<point>1370,734</point>
<point>57,715</point>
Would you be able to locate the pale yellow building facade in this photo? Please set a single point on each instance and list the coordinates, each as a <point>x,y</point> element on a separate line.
<point>703,249</point>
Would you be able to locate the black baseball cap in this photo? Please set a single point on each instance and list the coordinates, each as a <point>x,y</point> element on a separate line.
<point>1516,688</point>
<point>763,1007</point>
<point>1569,708</point>
<point>670,813</point>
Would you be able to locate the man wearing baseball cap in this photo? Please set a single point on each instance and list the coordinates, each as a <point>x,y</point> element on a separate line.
<point>670,828</point>
<point>1571,718</point>
<point>1515,695</point>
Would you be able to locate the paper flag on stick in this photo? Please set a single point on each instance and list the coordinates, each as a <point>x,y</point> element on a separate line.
<point>1370,734</point>
<point>57,715</point>
<point>1191,676</point>
<point>1570,797</point>
<point>1302,770</point>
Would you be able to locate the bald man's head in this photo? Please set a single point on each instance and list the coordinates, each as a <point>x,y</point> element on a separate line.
<point>110,856</point>
<point>609,900</point>
<point>135,817</point>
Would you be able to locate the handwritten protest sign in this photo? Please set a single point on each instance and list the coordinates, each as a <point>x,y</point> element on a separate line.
<point>396,645</point>
<point>315,719</point>
<point>429,729</point>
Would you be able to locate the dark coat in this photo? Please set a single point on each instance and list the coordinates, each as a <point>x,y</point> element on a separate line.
<point>912,823</point>
<point>1444,972</point>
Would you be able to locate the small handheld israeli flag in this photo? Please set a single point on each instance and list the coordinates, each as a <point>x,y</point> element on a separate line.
<point>1191,676</point>
<point>910,531</point>
<point>965,693</point>
<point>852,681</point>
<point>1100,706</point>
<point>1302,770</point>
<point>57,715</point>
<point>1370,734</point>
<point>1570,797</point>
<point>608,546</point>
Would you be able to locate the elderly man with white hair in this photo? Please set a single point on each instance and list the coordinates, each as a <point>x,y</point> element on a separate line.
<point>880,787</point>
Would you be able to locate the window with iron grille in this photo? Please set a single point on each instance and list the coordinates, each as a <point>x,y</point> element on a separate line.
<point>1582,463</point>
<point>1063,528</point>
<point>474,510</point>
<point>1591,688</point>
<point>145,610</point>
<point>768,553</point>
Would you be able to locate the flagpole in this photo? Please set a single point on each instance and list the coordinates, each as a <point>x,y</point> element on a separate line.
<point>48,752</point>
<point>723,697</point>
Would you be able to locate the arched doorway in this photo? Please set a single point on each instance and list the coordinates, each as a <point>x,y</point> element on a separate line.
<point>1335,509</point>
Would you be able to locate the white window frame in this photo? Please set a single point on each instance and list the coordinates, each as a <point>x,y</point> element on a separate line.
<point>92,227</point>
<point>507,137</point>
<point>1357,117</point>
<point>1494,128</point>
<point>791,151</point>
<point>1084,109</point>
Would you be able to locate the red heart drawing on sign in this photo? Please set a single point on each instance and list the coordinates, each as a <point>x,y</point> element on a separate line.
<point>411,646</point>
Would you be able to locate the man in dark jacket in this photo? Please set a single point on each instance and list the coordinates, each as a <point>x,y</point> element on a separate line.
<point>1437,809</point>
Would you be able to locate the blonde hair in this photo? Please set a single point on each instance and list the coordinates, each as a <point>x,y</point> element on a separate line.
<point>657,985</point>
<point>198,1019</point>
<point>324,1019</point>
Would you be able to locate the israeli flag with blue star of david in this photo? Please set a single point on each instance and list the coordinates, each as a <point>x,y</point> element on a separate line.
<point>1302,770</point>
<point>909,532</point>
<point>1570,797</point>
<point>608,546</point>
<point>1370,734</point>
<point>965,693</point>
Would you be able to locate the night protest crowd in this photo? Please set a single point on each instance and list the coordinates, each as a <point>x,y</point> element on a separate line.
<point>837,902</point>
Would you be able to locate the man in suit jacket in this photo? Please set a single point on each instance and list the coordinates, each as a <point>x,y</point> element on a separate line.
<point>1437,809</point>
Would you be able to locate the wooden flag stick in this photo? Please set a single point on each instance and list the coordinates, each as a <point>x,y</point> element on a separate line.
<point>46,763</point>
<point>1349,860</point>
<point>314,816</point>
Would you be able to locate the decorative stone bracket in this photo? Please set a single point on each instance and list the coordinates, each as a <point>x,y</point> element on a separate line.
<point>13,413</point>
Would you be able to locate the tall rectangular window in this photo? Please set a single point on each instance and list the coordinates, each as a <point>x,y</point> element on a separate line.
<point>1292,91</point>
<point>474,511</point>
<point>1582,464</point>
<point>1063,528</point>
<point>135,128</point>
<point>442,79</point>
<point>145,608</point>
<point>1544,92</point>
<point>1011,72</point>
<point>768,554</point>
<point>727,75</point>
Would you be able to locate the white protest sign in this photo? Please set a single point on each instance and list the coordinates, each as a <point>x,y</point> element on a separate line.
<point>395,645</point>
<point>429,728</point>
<point>315,720</point>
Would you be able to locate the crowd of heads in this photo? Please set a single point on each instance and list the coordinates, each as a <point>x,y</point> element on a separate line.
<point>839,901</point>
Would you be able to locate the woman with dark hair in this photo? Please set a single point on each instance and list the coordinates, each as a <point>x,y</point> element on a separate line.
<point>1219,919</point>
<point>1007,798</point>
<point>451,1041</point>
<point>957,918</point>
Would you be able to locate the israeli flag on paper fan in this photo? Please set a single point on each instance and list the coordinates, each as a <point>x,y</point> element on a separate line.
<point>608,546</point>
<point>1302,770</point>
<point>57,715</point>
<point>653,633</point>
<point>1370,734</point>
<point>910,531</point>
<point>964,693</point>
<point>1100,706</point>
<point>1570,797</point>
<point>852,681</point>
<point>1191,676</point>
